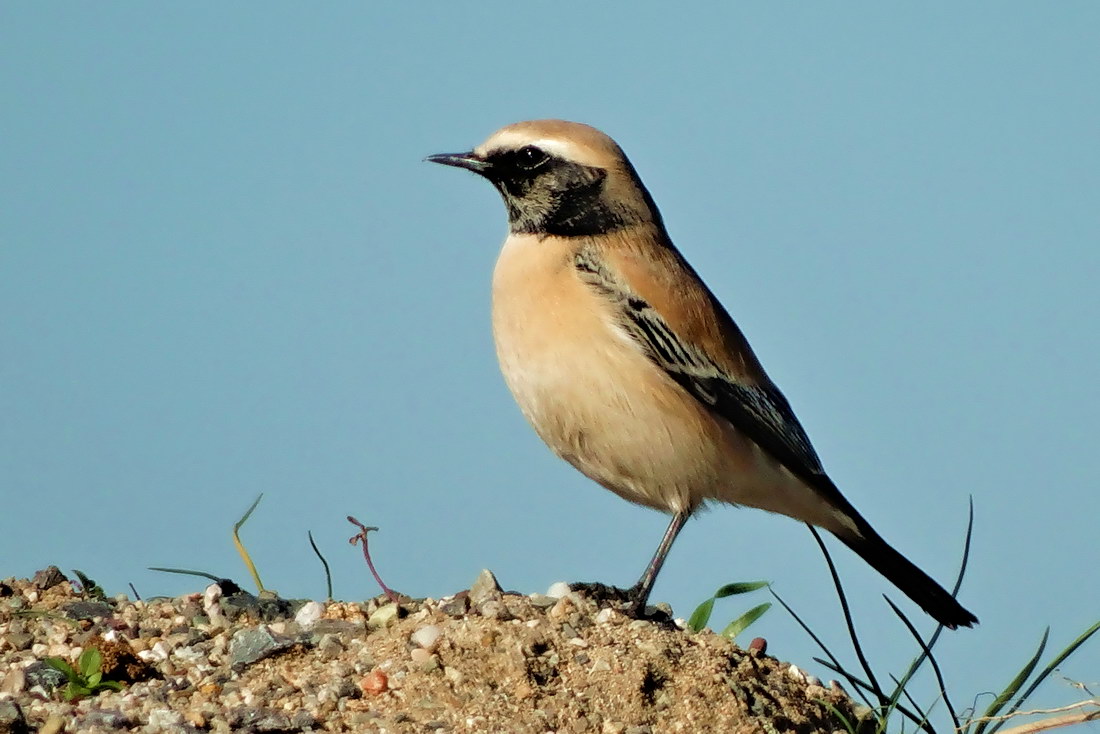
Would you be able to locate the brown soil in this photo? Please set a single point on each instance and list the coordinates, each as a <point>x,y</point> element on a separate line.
<point>481,661</point>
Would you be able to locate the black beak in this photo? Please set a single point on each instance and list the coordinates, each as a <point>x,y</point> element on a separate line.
<point>470,161</point>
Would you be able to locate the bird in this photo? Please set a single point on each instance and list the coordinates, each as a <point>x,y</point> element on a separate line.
<point>629,368</point>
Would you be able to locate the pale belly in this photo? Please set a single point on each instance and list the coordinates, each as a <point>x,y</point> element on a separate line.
<point>598,402</point>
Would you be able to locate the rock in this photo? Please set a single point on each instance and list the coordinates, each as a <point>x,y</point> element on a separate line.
<point>11,718</point>
<point>758,645</point>
<point>309,615</point>
<point>557,590</point>
<point>42,676</point>
<point>266,609</point>
<point>14,682</point>
<point>456,606</point>
<point>605,615</point>
<point>374,683</point>
<point>427,637</point>
<point>562,609</point>
<point>424,660</point>
<point>20,640</point>
<point>260,719</point>
<point>383,616</point>
<point>48,578</point>
<point>87,610</point>
<point>494,609</point>
<point>485,588</point>
<point>600,666</point>
<point>330,646</point>
<point>255,643</point>
<point>795,673</point>
<point>110,719</point>
<point>340,627</point>
<point>542,601</point>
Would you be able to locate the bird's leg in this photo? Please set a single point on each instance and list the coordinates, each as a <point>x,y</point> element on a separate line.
<point>639,593</point>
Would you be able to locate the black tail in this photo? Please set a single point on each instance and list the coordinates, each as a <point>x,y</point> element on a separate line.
<point>913,582</point>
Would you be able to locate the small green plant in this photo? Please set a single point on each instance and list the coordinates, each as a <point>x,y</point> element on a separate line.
<point>701,616</point>
<point>89,589</point>
<point>87,678</point>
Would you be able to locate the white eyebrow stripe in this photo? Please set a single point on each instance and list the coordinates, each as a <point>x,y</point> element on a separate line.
<point>514,140</point>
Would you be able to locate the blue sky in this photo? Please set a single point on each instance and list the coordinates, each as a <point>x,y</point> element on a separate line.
<point>225,270</point>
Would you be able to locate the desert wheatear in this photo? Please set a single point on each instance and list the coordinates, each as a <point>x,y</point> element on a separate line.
<point>629,368</point>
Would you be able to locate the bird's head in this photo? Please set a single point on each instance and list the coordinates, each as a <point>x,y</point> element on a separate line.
<point>559,178</point>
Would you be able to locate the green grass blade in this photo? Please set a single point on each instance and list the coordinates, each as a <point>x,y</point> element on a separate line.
<point>701,615</point>
<point>926,653</point>
<point>738,625</point>
<point>1013,687</point>
<point>858,684</point>
<point>848,725</point>
<point>860,687</point>
<point>879,693</point>
<point>911,700</point>
<point>742,587</point>
<point>1051,666</point>
<point>240,546</point>
<point>186,572</point>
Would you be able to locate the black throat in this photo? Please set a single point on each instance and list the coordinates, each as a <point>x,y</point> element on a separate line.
<point>561,198</point>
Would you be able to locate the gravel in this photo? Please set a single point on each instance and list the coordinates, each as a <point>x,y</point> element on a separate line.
<point>479,661</point>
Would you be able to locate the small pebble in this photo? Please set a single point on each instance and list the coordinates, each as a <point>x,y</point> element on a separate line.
<point>485,588</point>
<point>374,683</point>
<point>308,616</point>
<point>494,609</point>
<point>600,666</point>
<point>384,616</point>
<point>557,590</point>
<point>427,637</point>
<point>542,601</point>
<point>561,609</point>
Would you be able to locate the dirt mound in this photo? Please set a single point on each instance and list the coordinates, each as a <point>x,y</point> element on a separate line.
<point>479,661</point>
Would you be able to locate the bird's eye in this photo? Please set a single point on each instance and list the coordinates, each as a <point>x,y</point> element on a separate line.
<point>531,157</point>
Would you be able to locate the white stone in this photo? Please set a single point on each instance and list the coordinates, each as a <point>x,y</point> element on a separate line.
<point>795,673</point>
<point>309,614</point>
<point>427,637</point>
<point>558,589</point>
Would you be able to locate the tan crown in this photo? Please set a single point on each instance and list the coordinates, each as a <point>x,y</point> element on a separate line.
<point>573,141</point>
